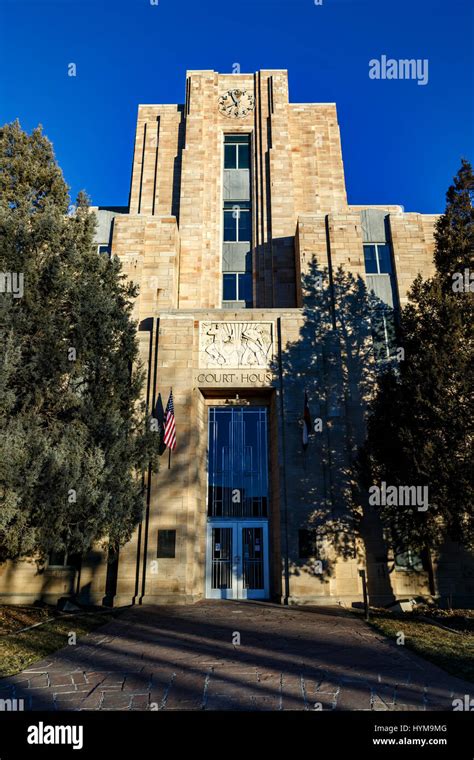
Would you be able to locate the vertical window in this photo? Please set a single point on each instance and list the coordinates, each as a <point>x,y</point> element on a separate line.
<point>230,156</point>
<point>378,261</point>
<point>383,333</point>
<point>377,258</point>
<point>236,152</point>
<point>245,287</point>
<point>370,259</point>
<point>237,287</point>
<point>237,226</point>
<point>237,222</point>
<point>243,156</point>
<point>238,462</point>
<point>245,229</point>
<point>230,287</point>
<point>230,226</point>
<point>384,259</point>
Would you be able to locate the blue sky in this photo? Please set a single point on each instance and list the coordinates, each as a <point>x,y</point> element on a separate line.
<point>402,142</point>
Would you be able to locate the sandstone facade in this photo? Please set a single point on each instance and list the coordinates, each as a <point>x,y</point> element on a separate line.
<point>311,292</point>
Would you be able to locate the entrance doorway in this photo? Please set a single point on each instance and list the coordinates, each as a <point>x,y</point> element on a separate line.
<point>237,559</point>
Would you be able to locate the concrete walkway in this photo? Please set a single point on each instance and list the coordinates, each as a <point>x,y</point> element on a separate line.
<point>188,658</point>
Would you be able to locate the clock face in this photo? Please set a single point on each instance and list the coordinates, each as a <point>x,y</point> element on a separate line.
<point>236,103</point>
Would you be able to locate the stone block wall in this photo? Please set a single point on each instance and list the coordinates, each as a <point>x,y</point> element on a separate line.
<point>296,167</point>
<point>149,251</point>
<point>170,244</point>
<point>413,246</point>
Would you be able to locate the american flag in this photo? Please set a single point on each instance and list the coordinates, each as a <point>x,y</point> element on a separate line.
<point>170,424</point>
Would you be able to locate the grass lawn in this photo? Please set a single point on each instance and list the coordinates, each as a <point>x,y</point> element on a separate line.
<point>454,652</point>
<point>20,650</point>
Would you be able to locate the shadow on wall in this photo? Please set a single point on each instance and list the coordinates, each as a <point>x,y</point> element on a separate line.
<point>454,577</point>
<point>332,360</point>
<point>91,583</point>
<point>344,327</point>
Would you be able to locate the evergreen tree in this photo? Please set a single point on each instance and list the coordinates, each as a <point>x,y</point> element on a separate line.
<point>74,434</point>
<point>454,230</point>
<point>420,429</point>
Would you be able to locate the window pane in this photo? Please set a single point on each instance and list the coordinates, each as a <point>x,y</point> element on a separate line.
<point>385,262</point>
<point>230,157</point>
<point>244,157</point>
<point>238,487</point>
<point>230,287</point>
<point>230,226</point>
<point>237,204</point>
<point>222,558</point>
<point>370,259</point>
<point>236,138</point>
<point>252,544</point>
<point>245,288</point>
<point>245,228</point>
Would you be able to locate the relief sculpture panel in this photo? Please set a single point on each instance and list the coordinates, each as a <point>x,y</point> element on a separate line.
<point>244,345</point>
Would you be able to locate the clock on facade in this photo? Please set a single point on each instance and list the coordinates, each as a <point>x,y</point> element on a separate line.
<point>236,103</point>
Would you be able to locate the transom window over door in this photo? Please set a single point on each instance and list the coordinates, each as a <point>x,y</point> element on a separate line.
<point>238,462</point>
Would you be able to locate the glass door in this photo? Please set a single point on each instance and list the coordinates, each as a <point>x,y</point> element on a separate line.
<point>237,560</point>
<point>222,555</point>
<point>237,503</point>
<point>253,559</point>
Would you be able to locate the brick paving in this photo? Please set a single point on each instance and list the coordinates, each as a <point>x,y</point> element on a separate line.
<point>187,658</point>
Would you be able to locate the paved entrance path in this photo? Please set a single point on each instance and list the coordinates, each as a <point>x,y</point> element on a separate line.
<point>184,658</point>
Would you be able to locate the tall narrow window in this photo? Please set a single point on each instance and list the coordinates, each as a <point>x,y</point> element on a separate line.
<point>381,284</point>
<point>237,224</point>
<point>383,333</point>
<point>238,462</point>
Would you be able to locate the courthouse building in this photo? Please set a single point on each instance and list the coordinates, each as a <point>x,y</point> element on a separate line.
<point>259,284</point>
